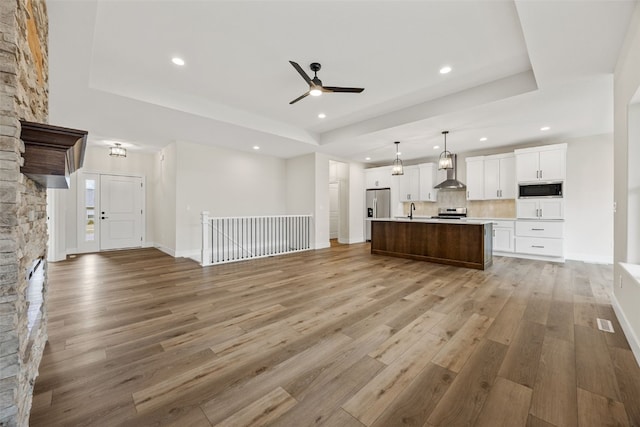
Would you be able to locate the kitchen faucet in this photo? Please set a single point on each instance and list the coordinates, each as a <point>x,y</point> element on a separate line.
<point>411,209</point>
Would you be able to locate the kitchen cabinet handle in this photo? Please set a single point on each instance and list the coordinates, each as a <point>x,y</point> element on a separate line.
<point>429,198</point>
<point>537,246</point>
<point>468,195</point>
<point>537,174</point>
<point>497,193</point>
<point>540,173</point>
<point>537,229</point>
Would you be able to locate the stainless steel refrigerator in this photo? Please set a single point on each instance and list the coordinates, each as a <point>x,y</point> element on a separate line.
<point>377,205</point>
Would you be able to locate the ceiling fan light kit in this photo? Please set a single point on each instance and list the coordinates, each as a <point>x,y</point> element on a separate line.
<point>315,84</point>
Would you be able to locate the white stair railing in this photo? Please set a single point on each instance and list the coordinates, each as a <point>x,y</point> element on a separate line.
<point>231,239</point>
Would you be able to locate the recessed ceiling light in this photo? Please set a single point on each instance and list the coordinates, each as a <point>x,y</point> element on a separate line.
<point>177,61</point>
<point>545,128</point>
<point>367,158</point>
<point>445,70</point>
<point>255,147</point>
<point>484,138</point>
<point>322,115</point>
<point>435,147</point>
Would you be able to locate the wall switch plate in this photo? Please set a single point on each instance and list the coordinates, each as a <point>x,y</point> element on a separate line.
<point>615,207</point>
<point>620,280</point>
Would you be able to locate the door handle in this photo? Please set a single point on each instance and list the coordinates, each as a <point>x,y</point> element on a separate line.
<point>104,217</point>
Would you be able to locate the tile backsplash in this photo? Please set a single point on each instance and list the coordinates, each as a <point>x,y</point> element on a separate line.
<point>458,199</point>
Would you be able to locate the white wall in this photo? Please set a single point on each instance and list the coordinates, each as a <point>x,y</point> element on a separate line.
<point>322,234</point>
<point>225,183</point>
<point>356,203</point>
<point>589,199</point>
<point>626,84</point>
<point>97,160</point>
<point>163,186</point>
<point>633,182</point>
<point>300,187</point>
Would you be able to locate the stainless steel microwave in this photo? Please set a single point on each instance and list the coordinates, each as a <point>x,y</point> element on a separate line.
<point>550,189</point>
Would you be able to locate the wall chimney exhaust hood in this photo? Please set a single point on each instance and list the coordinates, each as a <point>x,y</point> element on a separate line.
<point>51,153</point>
<point>451,183</point>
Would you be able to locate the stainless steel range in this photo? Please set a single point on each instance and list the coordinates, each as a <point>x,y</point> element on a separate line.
<point>451,213</point>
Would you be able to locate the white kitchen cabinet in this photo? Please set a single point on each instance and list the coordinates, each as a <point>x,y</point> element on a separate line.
<point>475,178</point>
<point>550,208</point>
<point>428,178</point>
<point>540,238</point>
<point>378,177</point>
<point>547,163</point>
<point>499,177</point>
<point>409,184</point>
<point>503,236</point>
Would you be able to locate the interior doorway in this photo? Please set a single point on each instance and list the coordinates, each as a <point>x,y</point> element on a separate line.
<point>110,212</point>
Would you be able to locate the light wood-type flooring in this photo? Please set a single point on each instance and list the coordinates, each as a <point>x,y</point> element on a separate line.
<point>335,337</point>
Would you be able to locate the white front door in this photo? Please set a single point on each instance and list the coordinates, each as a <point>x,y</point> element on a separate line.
<point>121,201</point>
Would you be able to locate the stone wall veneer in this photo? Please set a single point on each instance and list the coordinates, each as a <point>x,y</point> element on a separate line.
<point>23,227</point>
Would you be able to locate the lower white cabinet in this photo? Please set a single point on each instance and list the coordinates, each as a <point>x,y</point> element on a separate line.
<point>503,233</point>
<point>540,238</point>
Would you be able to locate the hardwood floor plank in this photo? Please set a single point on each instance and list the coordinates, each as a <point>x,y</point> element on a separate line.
<point>463,401</point>
<point>262,411</point>
<point>554,393</point>
<point>131,335</point>
<point>594,369</point>
<point>374,398</point>
<point>596,411</point>
<point>560,320</point>
<point>398,343</point>
<point>585,311</point>
<point>507,405</point>
<point>537,308</point>
<point>505,325</point>
<point>523,356</point>
<point>414,405</point>
<point>322,398</point>
<point>628,378</point>
<point>457,351</point>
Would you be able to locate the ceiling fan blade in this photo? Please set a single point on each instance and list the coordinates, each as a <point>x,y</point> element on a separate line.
<point>299,98</point>
<point>343,89</point>
<point>301,71</point>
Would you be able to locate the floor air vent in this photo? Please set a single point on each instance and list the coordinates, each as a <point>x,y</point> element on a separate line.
<point>605,325</point>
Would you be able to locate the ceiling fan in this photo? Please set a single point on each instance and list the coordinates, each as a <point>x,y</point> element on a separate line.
<point>315,84</point>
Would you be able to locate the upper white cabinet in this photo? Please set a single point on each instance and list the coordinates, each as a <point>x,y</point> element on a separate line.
<point>547,163</point>
<point>475,178</point>
<point>552,208</point>
<point>428,178</point>
<point>378,177</point>
<point>499,176</point>
<point>409,184</point>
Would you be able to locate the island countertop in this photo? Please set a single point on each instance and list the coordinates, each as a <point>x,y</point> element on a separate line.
<point>463,243</point>
<point>476,221</point>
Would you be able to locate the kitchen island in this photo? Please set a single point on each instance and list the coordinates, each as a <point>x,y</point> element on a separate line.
<point>459,242</point>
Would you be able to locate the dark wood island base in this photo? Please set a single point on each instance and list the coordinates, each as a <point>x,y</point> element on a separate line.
<point>463,244</point>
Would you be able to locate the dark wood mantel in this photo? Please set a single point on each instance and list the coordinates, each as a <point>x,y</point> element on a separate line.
<point>51,153</point>
<point>464,244</point>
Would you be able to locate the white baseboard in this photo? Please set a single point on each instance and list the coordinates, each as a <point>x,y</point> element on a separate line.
<point>322,245</point>
<point>593,259</point>
<point>626,328</point>
<point>166,250</point>
<point>193,254</point>
<point>149,245</point>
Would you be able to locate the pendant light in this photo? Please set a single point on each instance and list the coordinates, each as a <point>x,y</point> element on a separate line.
<point>118,151</point>
<point>446,159</point>
<point>397,168</point>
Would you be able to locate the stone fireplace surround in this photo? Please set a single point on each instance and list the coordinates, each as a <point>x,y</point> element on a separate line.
<point>23,226</point>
